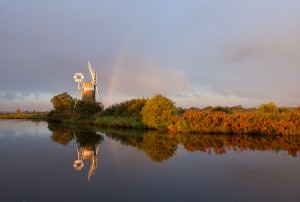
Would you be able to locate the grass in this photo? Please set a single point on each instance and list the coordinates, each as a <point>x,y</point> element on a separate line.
<point>121,122</point>
<point>97,120</point>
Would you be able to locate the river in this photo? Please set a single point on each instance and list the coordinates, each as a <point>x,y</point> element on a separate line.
<point>52,162</point>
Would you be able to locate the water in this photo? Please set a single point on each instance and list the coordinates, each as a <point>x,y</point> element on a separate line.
<point>37,164</point>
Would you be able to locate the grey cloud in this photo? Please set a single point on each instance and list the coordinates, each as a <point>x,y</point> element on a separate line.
<point>8,95</point>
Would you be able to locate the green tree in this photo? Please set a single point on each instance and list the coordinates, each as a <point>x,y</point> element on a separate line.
<point>157,111</point>
<point>62,102</point>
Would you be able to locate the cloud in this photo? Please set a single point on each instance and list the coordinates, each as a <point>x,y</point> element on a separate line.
<point>8,95</point>
<point>145,80</point>
<point>247,50</point>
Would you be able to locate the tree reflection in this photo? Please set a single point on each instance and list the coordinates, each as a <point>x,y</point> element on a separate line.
<point>239,143</point>
<point>162,146</point>
<point>60,134</point>
<point>158,146</point>
<point>87,144</point>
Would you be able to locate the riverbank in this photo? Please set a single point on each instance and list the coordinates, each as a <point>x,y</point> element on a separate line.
<point>196,122</point>
<point>159,113</point>
<point>193,122</point>
<point>99,120</point>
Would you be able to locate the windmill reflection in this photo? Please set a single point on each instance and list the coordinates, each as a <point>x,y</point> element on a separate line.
<point>87,147</point>
<point>87,142</point>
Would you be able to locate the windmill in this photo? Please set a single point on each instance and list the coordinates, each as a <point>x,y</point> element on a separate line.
<point>88,88</point>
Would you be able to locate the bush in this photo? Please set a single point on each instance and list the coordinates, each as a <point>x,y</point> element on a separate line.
<point>157,112</point>
<point>221,109</point>
<point>129,108</point>
<point>87,108</point>
<point>283,110</point>
<point>268,108</point>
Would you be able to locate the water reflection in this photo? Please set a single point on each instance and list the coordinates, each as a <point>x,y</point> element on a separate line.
<point>37,166</point>
<point>87,144</point>
<point>162,146</point>
<point>158,146</point>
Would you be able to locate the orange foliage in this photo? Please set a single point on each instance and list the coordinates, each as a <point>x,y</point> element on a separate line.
<point>236,123</point>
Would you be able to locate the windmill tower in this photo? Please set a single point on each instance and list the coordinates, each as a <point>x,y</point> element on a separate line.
<point>88,88</point>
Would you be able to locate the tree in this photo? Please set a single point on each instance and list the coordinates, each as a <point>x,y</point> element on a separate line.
<point>157,111</point>
<point>62,102</point>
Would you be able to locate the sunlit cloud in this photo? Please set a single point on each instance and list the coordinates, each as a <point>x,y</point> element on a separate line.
<point>147,80</point>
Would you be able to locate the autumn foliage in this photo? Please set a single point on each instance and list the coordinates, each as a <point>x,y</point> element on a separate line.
<point>254,122</point>
<point>157,112</point>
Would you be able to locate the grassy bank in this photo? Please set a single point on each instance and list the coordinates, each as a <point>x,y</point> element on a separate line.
<point>207,122</point>
<point>121,122</point>
<point>98,120</point>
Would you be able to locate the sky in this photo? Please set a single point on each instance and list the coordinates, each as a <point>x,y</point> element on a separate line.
<point>197,52</point>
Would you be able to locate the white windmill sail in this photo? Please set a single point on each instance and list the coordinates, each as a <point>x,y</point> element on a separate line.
<point>93,73</point>
<point>94,79</point>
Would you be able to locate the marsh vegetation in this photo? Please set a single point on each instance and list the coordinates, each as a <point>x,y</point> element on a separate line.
<point>160,113</point>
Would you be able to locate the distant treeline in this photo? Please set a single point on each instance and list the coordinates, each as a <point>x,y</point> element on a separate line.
<point>18,114</point>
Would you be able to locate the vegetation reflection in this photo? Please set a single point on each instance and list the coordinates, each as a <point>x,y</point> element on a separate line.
<point>161,146</point>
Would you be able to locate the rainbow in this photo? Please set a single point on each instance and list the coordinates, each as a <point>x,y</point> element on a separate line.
<point>115,72</point>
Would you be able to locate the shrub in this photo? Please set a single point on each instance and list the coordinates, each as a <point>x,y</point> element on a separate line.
<point>157,111</point>
<point>283,110</point>
<point>88,108</point>
<point>268,108</point>
<point>221,109</point>
<point>129,108</point>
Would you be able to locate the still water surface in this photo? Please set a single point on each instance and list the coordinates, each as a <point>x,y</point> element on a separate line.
<point>50,162</point>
